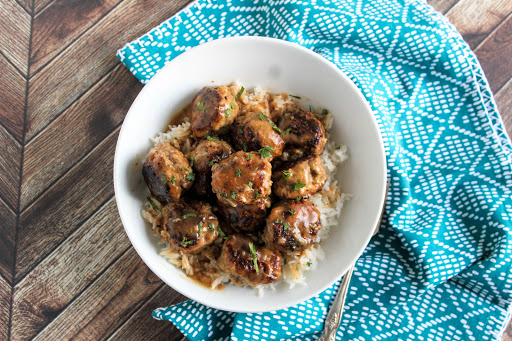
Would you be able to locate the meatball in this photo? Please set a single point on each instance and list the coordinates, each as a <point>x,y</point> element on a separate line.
<point>238,261</point>
<point>241,179</point>
<point>189,228</point>
<point>213,108</point>
<point>299,179</point>
<point>292,226</point>
<point>246,218</point>
<point>304,134</point>
<point>167,172</point>
<point>204,156</point>
<point>254,131</point>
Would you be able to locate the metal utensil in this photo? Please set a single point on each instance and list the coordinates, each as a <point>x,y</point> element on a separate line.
<point>334,317</point>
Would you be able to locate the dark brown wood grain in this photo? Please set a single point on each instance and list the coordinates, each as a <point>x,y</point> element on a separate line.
<point>87,252</point>
<point>12,98</point>
<point>82,126</point>
<point>85,61</point>
<point>41,5</point>
<point>63,208</point>
<point>7,236</point>
<point>107,303</point>
<point>60,24</point>
<point>151,329</point>
<point>442,6</point>
<point>9,168</point>
<point>504,101</point>
<point>26,4</point>
<point>5,300</point>
<point>15,33</point>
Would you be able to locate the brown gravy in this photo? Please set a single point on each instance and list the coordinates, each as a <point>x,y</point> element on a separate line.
<point>179,116</point>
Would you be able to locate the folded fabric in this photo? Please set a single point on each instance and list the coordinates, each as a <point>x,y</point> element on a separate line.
<point>440,267</point>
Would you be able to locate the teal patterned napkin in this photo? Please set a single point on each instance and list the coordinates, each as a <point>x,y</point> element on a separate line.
<point>440,267</point>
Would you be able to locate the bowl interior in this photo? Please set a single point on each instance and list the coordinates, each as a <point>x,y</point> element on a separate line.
<point>277,66</point>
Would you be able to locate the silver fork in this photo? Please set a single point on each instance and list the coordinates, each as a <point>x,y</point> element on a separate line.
<point>334,317</point>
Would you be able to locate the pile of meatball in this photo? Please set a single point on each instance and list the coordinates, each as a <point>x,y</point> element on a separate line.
<point>243,187</point>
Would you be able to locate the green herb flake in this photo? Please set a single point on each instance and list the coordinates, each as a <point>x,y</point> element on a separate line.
<point>173,179</point>
<point>227,112</point>
<point>240,131</point>
<point>265,152</point>
<point>185,216</point>
<point>200,106</point>
<point>286,226</point>
<point>238,172</point>
<point>309,263</point>
<point>240,93</point>
<point>278,221</point>
<point>244,146</point>
<point>200,226</point>
<point>224,195</point>
<point>211,163</point>
<point>185,242</point>
<point>249,156</point>
<point>294,96</point>
<point>298,199</point>
<point>256,194</point>
<point>277,129</point>
<point>191,162</point>
<point>286,174</point>
<point>209,138</point>
<point>250,184</point>
<point>233,105</point>
<point>285,261</point>
<point>210,226</point>
<point>233,195</point>
<point>325,111</point>
<point>254,257</point>
<point>287,130</point>
<point>164,178</point>
<point>153,205</point>
<point>222,234</point>
<point>262,117</point>
<point>298,185</point>
<point>292,212</point>
<point>190,176</point>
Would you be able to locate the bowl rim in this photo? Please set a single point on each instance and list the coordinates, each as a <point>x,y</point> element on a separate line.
<point>300,49</point>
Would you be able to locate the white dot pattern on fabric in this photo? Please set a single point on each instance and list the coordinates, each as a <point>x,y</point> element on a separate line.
<point>440,267</point>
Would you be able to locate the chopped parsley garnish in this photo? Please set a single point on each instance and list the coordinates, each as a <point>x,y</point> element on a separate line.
<point>172,179</point>
<point>238,172</point>
<point>190,176</point>
<point>200,225</point>
<point>265,151</point>
<point>285,226</point>
<point>292,212</point>
<point>250,184</point>
<point>286,174</point>
<point>298,185</point>
<point>210,226</point>
<point>209,138</point>
<point>285,261</point>
<point>224,195</point>
<point>200,106</point>
<point>240,93</point>
<point>153,205</point>
<point>244,146</point>
<point>233,195</point>
<point>233,105</point>
<point>255,169</point>
<point>222,234</point>
<point>256,194</point>
<point>287,130</point>
<point>240,131</point>
<point>262,117</point>
<point>185,242</point>
<point>164,178</point>
<point>249,156</point>
<point>278,221</point>
<point>277,129</point>
<point>309,263</point>
<point>296,96</point>
<point>185,216</point>
<point>211,163</point>
<point>191,162</point>
<point>254,257</point>
<point>325,111</point>
<point>227,112</point>
<point>298,199</point>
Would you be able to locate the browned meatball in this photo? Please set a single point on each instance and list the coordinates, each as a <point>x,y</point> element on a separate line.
<point>204,156</point>
<point>292,225</point>
<point>246,218</point>
<point>254,131</point>
<point>189,228</point>
<point>238,261</point>
<point>213,108</point>
<point>241,179</point>
<point>304,134</point>
<point>299,179</point>
<point>167,172</point>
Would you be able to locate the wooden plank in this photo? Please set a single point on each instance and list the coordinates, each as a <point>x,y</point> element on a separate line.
<point>507,335</point>
<point>475,20</point>
<point>49,288</point>
<point>26,4</point>
<point>74,133</point>
<point>15,33</point>
<point>7,236</point>
<point>503,99</point>
<point>5,303</point>
<point>85,61</point>
<point>40,5</point>
<point>442,6</point>
<point>59,24</point>
<point>9,168</point>
<point>64,207</point>
<point>495,55</point>
<point>107,303</point>
<point>141,325</point>
<point>12,98</point>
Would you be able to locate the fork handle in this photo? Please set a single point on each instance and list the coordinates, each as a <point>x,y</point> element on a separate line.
<point>334,318</point>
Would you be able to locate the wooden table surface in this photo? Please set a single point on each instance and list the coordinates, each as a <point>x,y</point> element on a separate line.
<point>67,269</point>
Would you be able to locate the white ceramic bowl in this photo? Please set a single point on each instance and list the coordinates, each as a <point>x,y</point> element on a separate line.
<point>280,66</point>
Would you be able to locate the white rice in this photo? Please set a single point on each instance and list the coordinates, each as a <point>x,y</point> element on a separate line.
<point>329,201</point>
